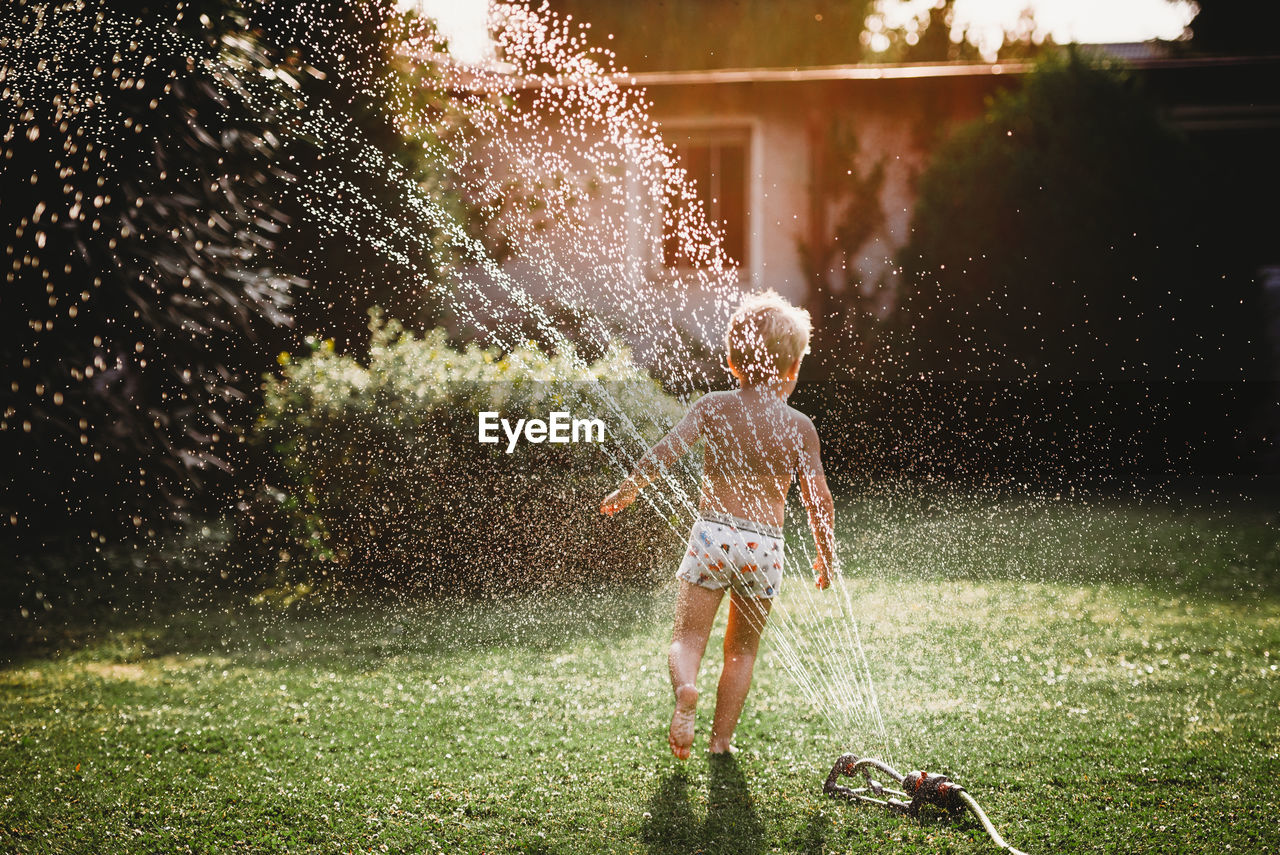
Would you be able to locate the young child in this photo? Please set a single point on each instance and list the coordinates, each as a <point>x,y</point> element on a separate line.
<point>754,445</point>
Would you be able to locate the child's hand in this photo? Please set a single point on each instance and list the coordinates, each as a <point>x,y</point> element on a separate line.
<point>618,500</point>
<point>824,573</point>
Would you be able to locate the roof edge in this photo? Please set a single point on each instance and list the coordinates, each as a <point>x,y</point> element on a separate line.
<point>911,70</point>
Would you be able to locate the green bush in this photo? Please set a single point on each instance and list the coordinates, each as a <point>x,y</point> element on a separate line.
<point>1073,233</point>
<point>382,481</point>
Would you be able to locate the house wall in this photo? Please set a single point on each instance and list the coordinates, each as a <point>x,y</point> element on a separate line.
<point>896,122</point>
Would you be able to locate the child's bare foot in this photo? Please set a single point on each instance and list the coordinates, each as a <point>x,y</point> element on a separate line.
<point>681,736</point>
<point>716,749</point>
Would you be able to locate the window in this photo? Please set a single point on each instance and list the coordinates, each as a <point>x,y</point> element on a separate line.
<point>718,167</point>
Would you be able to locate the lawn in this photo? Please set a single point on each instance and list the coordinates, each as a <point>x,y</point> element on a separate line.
<point>1102,677</point>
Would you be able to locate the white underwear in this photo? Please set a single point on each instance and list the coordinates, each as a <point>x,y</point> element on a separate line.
<point>730,552</point>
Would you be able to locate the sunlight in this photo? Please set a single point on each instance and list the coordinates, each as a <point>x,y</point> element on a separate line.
<point>1084,21</point>
<point>462,22</point>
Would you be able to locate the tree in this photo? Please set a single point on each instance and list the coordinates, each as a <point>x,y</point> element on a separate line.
<point>924,38</point>
<point>383,123</point>
<point>932,35</point>
<point>164,188</point>
<point>724,33</point>
<point>1070,233</point>
<point>138,220</point>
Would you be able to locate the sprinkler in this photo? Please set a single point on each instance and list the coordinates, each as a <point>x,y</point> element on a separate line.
<point>919,786</point>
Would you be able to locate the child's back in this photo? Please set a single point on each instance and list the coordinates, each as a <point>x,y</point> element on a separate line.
<point>753,445</point>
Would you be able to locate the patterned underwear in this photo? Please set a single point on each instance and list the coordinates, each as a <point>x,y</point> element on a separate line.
<point>730,552</point>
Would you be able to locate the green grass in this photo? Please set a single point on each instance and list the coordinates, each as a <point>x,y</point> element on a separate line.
<point>1102,678</point>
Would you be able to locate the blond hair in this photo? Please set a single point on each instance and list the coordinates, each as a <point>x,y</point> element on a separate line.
<point>766,336</point>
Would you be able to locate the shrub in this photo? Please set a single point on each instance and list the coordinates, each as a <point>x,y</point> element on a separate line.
<point>382,481</point>
<point>1073,259</point>
<point>147,269</point>
<point>1071,233</point>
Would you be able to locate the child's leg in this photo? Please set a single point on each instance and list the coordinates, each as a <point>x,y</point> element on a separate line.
<point>747,616</point>
<point>695,613</point>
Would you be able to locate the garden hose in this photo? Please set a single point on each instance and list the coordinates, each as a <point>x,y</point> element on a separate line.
<point>920,787</point>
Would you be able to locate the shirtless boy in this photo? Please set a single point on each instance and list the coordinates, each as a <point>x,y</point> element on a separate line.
<point>754,444</point>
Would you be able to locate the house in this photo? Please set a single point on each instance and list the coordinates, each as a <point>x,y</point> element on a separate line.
<point>759,143</point>
<point>809,175</point>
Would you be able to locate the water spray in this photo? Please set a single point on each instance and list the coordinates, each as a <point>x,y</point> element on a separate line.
<point>920,787</point>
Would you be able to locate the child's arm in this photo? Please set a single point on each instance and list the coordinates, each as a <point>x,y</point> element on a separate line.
<point>816,496</point>
<point>669,449</point>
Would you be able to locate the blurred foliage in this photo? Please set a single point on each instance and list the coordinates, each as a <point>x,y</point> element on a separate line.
<point>926,37</point>
<point>1070,233</point>
<point>388,123</point>
<point>932,36</point>
<point>724,33</point>
<point>1075,308</point>
<point>701,34</point>
<point>381,480</point>
<point>139,213</point>
<point>160,217</point>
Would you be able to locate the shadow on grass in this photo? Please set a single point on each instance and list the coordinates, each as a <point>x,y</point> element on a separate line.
<point>731,826</point>
<point>134,621</point>
<point>181,594</point>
